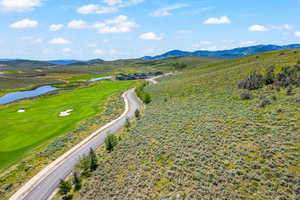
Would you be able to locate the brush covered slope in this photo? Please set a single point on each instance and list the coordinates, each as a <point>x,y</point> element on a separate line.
<point>199,140</point>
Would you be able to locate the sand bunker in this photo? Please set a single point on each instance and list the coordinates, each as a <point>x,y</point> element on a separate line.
<point>21,111</point>
<point>65,113</point>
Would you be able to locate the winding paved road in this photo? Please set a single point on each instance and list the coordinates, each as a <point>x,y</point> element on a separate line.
<point>41,186</point>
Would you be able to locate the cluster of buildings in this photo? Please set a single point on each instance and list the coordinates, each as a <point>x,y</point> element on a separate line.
<point>126,77</point>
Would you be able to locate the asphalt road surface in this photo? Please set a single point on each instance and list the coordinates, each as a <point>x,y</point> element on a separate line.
<point>45,183</point>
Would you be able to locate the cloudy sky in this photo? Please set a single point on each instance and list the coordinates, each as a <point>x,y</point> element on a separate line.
<point>113,29</point>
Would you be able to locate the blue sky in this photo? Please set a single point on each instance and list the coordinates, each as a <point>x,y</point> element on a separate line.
<point>113,29</point>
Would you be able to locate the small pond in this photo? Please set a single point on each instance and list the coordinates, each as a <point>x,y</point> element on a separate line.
<point>15,96</point>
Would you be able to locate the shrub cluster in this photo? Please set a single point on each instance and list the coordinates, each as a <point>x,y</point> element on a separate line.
<point>180,66</point>
<point>86,165</point>
<point>285,78</point>
<point>144,96</point>
<point>246,96</point>
<point>253,82</point>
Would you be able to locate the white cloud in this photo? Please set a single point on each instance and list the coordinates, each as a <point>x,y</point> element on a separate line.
<point>166,10</point>
<point>282,27</point>
<point>287,27</point>
<point>257,28</point>
<point>25,23</point>
<point>77,24</point>
<point>96,9</point>
<point>66,50</point>
<point>121,24</point>
<point>59,41</point>
<point>56,27</point>
<point>215,20</point>
<point>18,5</point>
<point>150,36</point>
<point>122,3</point>
<point>297,33</point>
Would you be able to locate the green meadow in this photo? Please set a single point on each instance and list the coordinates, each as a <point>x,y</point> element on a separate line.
<point>22,133</point>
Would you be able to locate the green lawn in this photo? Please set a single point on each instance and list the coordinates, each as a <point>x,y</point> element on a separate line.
<point>21,133</point>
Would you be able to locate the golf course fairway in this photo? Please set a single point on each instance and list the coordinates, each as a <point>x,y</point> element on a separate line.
<point>22,132</point>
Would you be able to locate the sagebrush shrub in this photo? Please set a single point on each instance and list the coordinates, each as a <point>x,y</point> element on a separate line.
<point>286,77</point>
<point>246,96</point>
<point>253,82</point>
<point>264,102</point>
<point>269,77</point>
<point>289,91</point>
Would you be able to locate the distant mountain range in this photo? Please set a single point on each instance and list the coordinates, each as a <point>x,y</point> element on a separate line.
<point>22,63</point>
<point>225,54</point>
<point>76,62</point>
<point>62,62</point>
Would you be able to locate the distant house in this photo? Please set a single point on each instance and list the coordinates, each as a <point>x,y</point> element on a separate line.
<point>126,77</point>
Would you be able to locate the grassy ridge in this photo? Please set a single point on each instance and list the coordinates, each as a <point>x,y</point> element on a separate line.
<point>21,132</point>
<point>199,140</point>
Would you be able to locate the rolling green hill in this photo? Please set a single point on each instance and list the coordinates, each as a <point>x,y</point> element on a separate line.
<point>199,140</point>
<point>24,64</point>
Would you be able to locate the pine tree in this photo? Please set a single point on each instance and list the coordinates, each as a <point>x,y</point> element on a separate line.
<point>127,123</point>
<point>64,187</point>
<point>111,141</point>
<point>137,114</point>
<point>147,98</point>
<point>76,181</point>
<point>93,160</point>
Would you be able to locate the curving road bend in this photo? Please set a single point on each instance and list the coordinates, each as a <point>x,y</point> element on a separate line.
<point>41,186</point>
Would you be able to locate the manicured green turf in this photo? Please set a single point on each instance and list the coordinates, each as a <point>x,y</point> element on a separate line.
<point>20,133</point>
